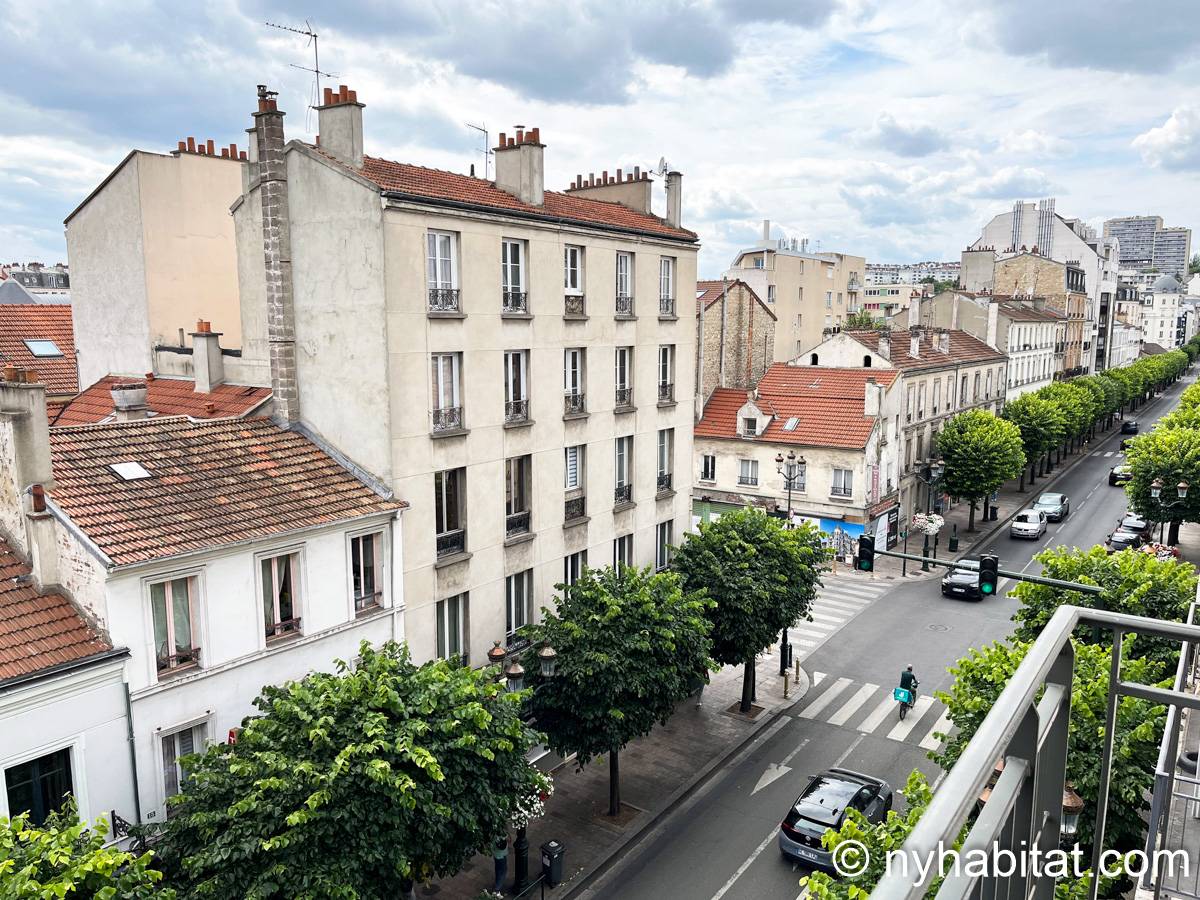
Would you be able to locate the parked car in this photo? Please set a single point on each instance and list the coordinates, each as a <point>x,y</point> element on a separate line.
<point>1120,475</point>
<point>822,806</point>
<point>963,582</point>
<point>1122,540</point>
<point>1135,523</point>
<point>1056,506</point>
<point>1129,426</point>
<point>1029,523</point>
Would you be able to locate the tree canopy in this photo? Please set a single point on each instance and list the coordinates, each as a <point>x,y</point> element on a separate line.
<point>981,452</point>
<point>1041,422</point>
<point>1168,455</point>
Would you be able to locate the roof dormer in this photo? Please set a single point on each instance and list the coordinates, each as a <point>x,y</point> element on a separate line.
<point>752,420</point>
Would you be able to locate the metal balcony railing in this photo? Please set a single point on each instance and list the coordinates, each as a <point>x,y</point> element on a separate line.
<point>573,306</point>
<point>285,627</point>
<point>449,418</point>
<point>574,508</point>
<point>623,493</point>
<point>666,392</point>
<point>624,305</point>
<point>1027,729</point>
<point>624,397</point>
<point>515,302</point>
<point>443,300</point>
<point>516,523</point>
<point>666,306</point>
<point>173,662</point>
<point>516,411</point>
<point>452,542</point>
<point>664,481</point>
<point>574,405</point>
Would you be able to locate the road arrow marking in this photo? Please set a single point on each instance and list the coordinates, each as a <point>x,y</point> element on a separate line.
<point>773,773</point>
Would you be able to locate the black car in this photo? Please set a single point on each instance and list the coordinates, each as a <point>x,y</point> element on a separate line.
<point>822,806</point>
<point>1129,426</point>
<point>1123,540</point>
<point>963,583</point>
<point>1137,524</point>
<point>1120,475</point>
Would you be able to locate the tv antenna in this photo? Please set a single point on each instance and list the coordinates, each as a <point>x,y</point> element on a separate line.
<point>662,167</point>
<point>487,150</point>
<point>312,36</point>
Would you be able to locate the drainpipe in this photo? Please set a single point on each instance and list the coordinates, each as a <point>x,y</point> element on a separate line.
<point>137,791</point>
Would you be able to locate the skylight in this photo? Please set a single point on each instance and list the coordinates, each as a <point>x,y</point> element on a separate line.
<point>129,471</point>
<point>42,349</point>
<point>790,424</point>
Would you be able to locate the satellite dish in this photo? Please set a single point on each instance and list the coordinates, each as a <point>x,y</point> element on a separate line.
<point>661,168</point>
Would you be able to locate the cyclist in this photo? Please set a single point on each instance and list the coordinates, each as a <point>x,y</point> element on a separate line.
<point>909,682</point>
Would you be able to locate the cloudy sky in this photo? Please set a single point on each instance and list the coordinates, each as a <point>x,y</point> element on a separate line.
<point>889,128</point>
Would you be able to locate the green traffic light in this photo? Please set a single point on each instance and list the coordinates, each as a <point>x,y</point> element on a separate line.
<point>985,588</point>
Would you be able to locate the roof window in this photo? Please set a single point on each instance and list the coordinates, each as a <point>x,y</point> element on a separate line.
<point>129,471</point>
<point>43,349</point>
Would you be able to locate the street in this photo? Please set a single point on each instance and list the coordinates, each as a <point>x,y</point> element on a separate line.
<point>721,843</point>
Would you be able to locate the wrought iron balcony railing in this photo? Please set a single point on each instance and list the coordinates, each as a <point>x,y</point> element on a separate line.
<point>574,306</point>
<point>664,481</point>
<point>574,508</point>
<point>623,493</point>
<point>516,411</point>
<point>666,392</point>
<point>515,302</point>
<point>574,405</point>
<point>516,523</point>
<point>624,305</point>
<point>452,542</point>
<point>666,306</point>
<point>281,629</point>
<point>173,662</point>
<point>624,397</point>
<point>443,300</point>
<point>449,418</point>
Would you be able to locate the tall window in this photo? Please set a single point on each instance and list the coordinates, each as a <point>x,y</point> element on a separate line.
<point>662,544</point>
<point>624,275</point>
<point>281,606</point>
<point>843,483</point>
<point>574,457</point>
<point>39,786</point>
<point>446,382</point>
<point>171,603</point>
<point>449,517</point>
<point>962,397</point>
<point>988,383</point>
<point>708,467</point>
<point>623,551</point>
<point>666,373</point>
<point>516,494</point>
<point>623,376</point>
<point>949,392</point>
<point>174,748</point>
<point>573,380</point>
<point>748,472</point>
<point>573,566</point>
<point>366,570</point>
<point>666,454</point>
<point>937,395</point>
<point>921,400</point>
<point>452,628</point>
<point>624,469</point>
<point>518,594</point>
<point>572,270</point>
<point>512,266</point>
<point>666,278</point>
<point>441,262</point>
<point>516,386</point>
<point>976,394</point>
<point>908,403</point>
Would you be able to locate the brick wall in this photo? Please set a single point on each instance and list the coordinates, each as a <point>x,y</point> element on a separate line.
<point>748,343</point>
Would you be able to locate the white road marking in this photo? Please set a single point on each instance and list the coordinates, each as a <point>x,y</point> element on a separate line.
<point>817,678</point>
<point>887,705</point>
<point>900,732</point>
<point>841,759</point>
<point>850,707</point>
<point>787,759</point>
<point>749,861</point>
<point>929,742</point>
<point>813,709</point>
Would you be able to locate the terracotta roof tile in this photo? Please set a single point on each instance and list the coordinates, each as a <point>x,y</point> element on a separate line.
<point>1022,312</point>
<point>165,397</point>
<point>964,348</point>
<point>38,630</point>
<point>210,484</point>
<point>827,404</point>
<point>435,184</point>
<point>709,292</point>
<point>20,322</point>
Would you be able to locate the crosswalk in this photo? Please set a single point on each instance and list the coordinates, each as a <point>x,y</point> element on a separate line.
<point>1107,453</point>
<point>871,709</point>
<point>837,603</point>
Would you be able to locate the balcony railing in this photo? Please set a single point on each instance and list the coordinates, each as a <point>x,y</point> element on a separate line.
<point>363,602</point>
<point>443,300</point>
<point>666,392</point>
<point>449,418</point>
<point>624,305</point>
<point>452,542</point>
<point>516,411</point>
<point>1027,729</point>
<point>515,302</point>
<point>574,508</point>
<point>573,404</point>
<point>182,660</point>
<point>623,493</point>
<point>516,523</point>
<point>624,397</point>
<point>750,480</point>
<point>283,628</point>
<point>839,491</point>
<point>573,306</point>
<point>664,482</point>
<point>666,306</point>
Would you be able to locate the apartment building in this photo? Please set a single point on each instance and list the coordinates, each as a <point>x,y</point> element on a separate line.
<point>1125,344</point>
<point>883,301</point>
<point>1162,306</point>
<point>40,283</point>
<point>509,359</point>
<point>912,273</point>
<point>1063,288</point>
<point>735,338</point>
<point>1147,246</point>
<point>809,292</point>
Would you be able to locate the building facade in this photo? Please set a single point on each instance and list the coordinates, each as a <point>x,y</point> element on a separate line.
<point>1149,247</point>
<point>1162,306</point>
<point>912,273</point>
<point>1063,289</point>
<point>735,338</point>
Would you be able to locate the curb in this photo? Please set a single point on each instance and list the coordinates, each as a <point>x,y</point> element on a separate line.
<point>586,878</point>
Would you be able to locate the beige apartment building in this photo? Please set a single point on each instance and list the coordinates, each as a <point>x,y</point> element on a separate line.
<point>810,293</point>
<point>1064,288</point>
<point>152,251</point>
<point>508,359</point>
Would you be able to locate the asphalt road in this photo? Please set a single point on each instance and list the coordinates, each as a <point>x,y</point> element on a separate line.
<point>722,842</point>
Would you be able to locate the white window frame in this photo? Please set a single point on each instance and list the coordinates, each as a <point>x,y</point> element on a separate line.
<point>841,483</point>
<point>573,269</point>
<point>623,367</point>
<point>663,535</point>
<point>518,603</point>
<point>666,278</point>
<point>378,565</point>
<point>708,467</point>
<point>195,587</point>
<point>446,367</point>
<point>296,563</point>
<point>666,451</point>
<point>574,360</point>
<point>748,472</point>
<point>442,627</point>
<point>666,364</point>
<point>623,463</point>
<point>512,265</point>
<point>441,501</point>
<point>623,550</point>
<point>624,274</point>
<point>518,484</point>
<point>203,724</point>
<point>574,460</point>
<point>441,259</point>
<point>574,565</point>
<point>516,375</point>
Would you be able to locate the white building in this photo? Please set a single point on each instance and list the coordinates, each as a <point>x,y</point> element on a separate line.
<point>912,273</point>
<point>1127,334</point>
<point>1162,306</point>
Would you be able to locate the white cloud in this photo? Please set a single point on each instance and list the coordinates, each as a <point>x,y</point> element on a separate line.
<point>906,140</point>
<point>1175,144</point>
<point>1010,183</point>
<point>1034,143</point>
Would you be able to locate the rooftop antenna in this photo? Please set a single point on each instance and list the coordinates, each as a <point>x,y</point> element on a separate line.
<point>308,32</point>
<point>487,149</point>
<point>662,167</point>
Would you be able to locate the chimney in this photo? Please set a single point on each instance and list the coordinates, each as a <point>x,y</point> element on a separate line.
<point>129,401</point>
<point>914,314</point>
<point>993,324</point>
<point>277,256</point>
<point>520,167</point>
<point>914,344</point>
<point>943,342</point>
<point>208,365</point>
<point>27,460</point>
<point>674,199</point>
<point>885,345</point>
<point>766,230</point>
<point>871,398</point>
<point>339,122</point>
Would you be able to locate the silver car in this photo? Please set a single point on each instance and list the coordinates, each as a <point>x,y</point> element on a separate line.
<point>1029,523</point>
<point>1056,506</point>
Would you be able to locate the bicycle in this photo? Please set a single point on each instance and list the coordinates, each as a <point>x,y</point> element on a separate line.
<point>905,698</point>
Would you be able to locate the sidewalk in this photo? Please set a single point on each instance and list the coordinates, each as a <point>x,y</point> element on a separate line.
<point>657,773</point>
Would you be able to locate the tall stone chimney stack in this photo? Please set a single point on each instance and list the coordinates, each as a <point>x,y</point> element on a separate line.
<point>674,199</point>
<point>520,165</point>
<point>339,125</point>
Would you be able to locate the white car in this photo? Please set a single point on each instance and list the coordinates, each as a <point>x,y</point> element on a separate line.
<point>1029,523</point>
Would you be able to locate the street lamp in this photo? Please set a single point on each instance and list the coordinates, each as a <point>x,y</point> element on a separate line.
<point>790,468</point>
<point>496,658</point>
<point>548,661</point>
<point>548,667</point>
<point>515,675</point>
<point>1072,806</point>
<point>936,468</point>
<point>1156,487</point>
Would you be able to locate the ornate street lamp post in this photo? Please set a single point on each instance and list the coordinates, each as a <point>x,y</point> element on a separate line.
<point>515,675</point>
<point>1181,490</point>
<point>790,468</point>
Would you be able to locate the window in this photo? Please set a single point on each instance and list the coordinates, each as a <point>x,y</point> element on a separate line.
<point>666,453</point>
<point>666,278</point>
<point>625,277</point>
<point>624,377</point>
<point>43,349</point>
<point>516,386</point>
<point>516,494</point>
<point>518,595</point>
<point>748,471</point>
<point>512,267</point>
<point>976,394</point>
<point>937,395</point>
<point>843,483</point>
<point>573,566</point>
<point>449,513</point>
<point>623,551</point>
<point>708,467</point>
<point>798,472</point>
<point>366,570</point>
<point>666,373</point>
<point>987,391</point>
<point>281,605</point>
<point>39,785</point>
<point>749,426</point>
<point>574,467</point>
<point>174,748</point>
<point>829,299</point>
<point>949,392</point>
<point>447,401</point>
<point>442,267</point>
<point>921,400</point>
<point>908,403</point>
<point>452,629</point>
<point>662,545</point>
<point>174,624</point>
<point>623,469</point>
<point>771,296</point>
<point>573,377</point>
<point>573,270</point>
<point>962,397</point>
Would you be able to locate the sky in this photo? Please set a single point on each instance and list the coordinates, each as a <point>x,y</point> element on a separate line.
<point>892,129</point>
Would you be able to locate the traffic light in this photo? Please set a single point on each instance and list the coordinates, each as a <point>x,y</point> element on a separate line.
<point>866,553</point>
<point>988,575</point>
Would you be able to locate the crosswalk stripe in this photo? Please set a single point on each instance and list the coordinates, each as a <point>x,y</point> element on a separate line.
<point>826,603</point>
<point>825,618</point>
<point>871,722</point>
<point>900,732</point>
<point>853,597</point>
<point>814,709</point>
<point>1109,453</point>
<point>817,678</point>
<point>929,742</point>
<point>1098,453</point>
<point>850,707</point>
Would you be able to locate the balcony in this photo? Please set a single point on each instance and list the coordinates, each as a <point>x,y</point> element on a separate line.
<point>516,412</point>
<point>841,493</point>
<point>574,405</point>
<point>666,307</point>
<point>451,543</point>
<point>515,303</point>
<point>444,300</point>
<point>574,307</point>
<point>666,393</point>
<point>623,495</point>
<point>287,627</point>
<point>448,420</point>
<point>748,480</point>
<point>624,307</point>
<point>665,480</point>
<point>624,399</point>
<point>169,664</point>
<point>574,509</point>
<point>365,602</point>
<point>516,524</point>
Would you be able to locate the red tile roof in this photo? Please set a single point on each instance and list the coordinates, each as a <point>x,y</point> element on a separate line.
<point>20,322</point>
<point>435,184</point>
<point>709,292</point>
<point>826,403</point>
<point>964,348</point>
<point>165,397</point>
<point>1023,312</point>
<point>38,631</point>
<point>210,484</point>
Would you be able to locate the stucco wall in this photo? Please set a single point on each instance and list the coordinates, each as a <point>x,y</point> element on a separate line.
<point>12,515</point>
<point>81,575</point>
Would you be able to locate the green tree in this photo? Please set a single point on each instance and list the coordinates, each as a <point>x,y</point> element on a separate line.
<point>981,675</point>
<point>1166,456</point>
<point>1076,403</point>
<point>64,858</point>
<point>761,576</point>
<point>863,320</point>
<point>1194,264</point>
<point>1042,428</point>
<point>630,645</point>
<point>981,452</point>
<point>354,783</point>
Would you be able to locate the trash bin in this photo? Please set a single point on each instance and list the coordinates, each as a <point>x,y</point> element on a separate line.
<point>552,862</point>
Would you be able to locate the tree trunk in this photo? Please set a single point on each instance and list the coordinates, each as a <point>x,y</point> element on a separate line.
<point>614,783</point>
<point>1173,533</point>
<point>747,685</point>
<point>1033,473</point>
<point>1021,487</point>
<point>971,517</point>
